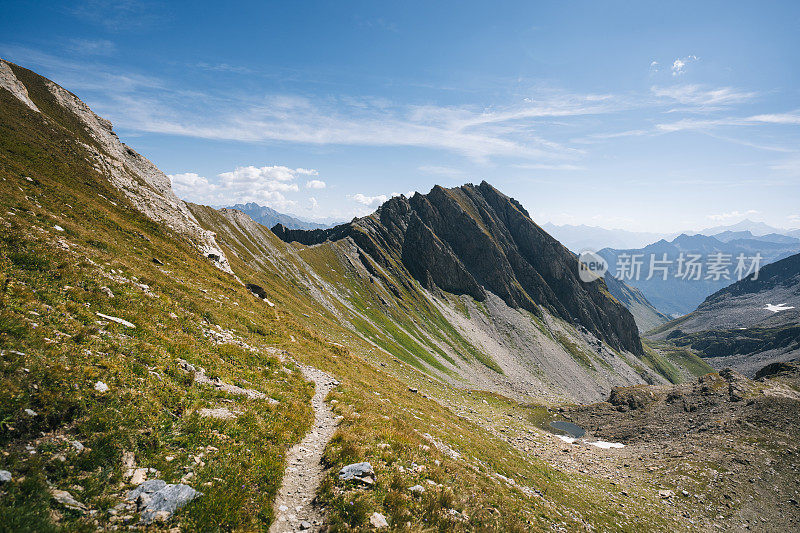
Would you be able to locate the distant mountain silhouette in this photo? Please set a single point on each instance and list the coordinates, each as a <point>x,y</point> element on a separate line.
<point>269,217</point>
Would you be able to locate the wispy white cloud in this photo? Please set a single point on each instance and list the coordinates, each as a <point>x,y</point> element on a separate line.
<point>777,118</point>
<point>223,67</point>
<point>95,47</point>
<point>543,166</point>
<point>722,217</point>
<point>699,97</point>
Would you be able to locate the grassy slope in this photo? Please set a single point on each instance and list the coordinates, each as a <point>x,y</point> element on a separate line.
<point>51,368</point>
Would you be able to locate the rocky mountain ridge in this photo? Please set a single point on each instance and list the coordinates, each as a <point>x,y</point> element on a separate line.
<point>473,239</point>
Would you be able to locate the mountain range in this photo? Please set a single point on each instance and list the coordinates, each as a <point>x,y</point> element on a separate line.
<point>269,217</point>
<point>681,292</point>
<point>747,325</point>
<point>167,365</point>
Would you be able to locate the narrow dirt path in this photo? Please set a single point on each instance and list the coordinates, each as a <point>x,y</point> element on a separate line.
<point>294,509</point>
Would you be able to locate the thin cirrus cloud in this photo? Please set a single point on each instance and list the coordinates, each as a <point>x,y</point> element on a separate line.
<point>721,217</point>
<point>698,97</point>
<point>753,120</point>
<point>478,134</point>
<point>267,185</point>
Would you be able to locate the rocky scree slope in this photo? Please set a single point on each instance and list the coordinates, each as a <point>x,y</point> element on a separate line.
<point>724,444</point>
<point>474,239</point>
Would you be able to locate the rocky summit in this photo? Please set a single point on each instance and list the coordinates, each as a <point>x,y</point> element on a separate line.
<point>474,239</point>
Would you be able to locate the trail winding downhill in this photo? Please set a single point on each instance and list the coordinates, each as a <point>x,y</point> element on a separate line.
<point>294,504</point>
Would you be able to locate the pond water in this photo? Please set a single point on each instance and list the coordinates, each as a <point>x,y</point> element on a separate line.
<point>573,430</point>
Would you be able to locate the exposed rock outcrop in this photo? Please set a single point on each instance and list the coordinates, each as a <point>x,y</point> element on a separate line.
<point>144,185</point>
<point>473,239</point>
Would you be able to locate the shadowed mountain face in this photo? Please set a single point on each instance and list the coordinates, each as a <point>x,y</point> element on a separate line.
<point>473,239</point>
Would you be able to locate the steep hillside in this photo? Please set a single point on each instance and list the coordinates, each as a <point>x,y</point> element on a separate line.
<point>646,316</point>
<point>128,354</point>
<point>747,325</point>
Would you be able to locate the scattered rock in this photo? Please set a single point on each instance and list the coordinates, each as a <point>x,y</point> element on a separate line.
<point>305,524</point>
<point>65,498</point>
<point>31,412</point>
<point>632,398</point>
<point>100,387</point>
<point>378,521</point>
<point>666,494</point>
<point>157,261</point>
<point>5,476</point>
<point>417,488</point>
<point>158,501</point>
<point>58,228</point>
<point>117,320</point>
<point>107,292</point>
<point>359,472</point>
<point>139,476</point>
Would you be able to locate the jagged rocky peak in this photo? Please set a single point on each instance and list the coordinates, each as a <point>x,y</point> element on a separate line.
<point>144,185</point>
<point>472,239</point>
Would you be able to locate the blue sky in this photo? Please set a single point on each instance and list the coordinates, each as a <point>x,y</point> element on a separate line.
<point>658,116</point>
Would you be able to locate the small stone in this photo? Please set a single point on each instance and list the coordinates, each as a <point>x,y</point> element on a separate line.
<point>139,476</point>
<point>666,494</point>
<point>417,488</point>
<point>128,460</point>
<point>305,524</point>
<point>78,446</point>
<point>5,476</point>
<point>100,387</point>
<point>107,292</point>
<point>58,228</point>
<point>362,472</point>
<point>378,521</point>
<point>31,412</point>
<point>65,498</point>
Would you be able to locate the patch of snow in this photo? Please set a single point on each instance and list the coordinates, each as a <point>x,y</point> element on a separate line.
<point>568,440</point>
<point>778,308</point>
<point>606,445</point>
